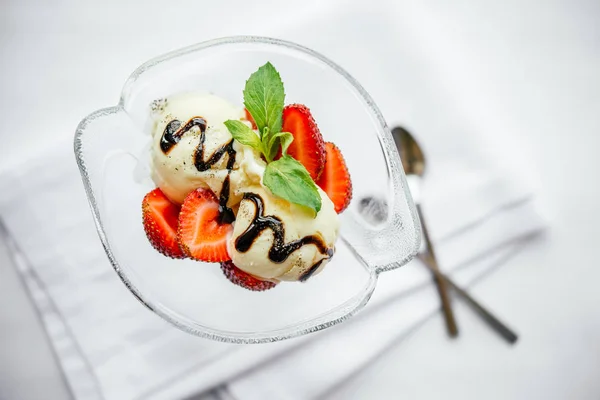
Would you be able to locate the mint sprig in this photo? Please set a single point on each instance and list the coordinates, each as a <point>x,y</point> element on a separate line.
<point>264,97</point>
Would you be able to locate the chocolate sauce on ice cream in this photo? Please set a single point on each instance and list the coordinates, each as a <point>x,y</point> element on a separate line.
<point>172,135</point>
<point>280,250</point>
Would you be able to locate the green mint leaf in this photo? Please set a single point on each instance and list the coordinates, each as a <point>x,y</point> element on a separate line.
<point>264,97</point>
<point>275,142</point>
<point>286,139</point>
<point>288,179</point>
<point>264,137</point>
<point>243,134</point>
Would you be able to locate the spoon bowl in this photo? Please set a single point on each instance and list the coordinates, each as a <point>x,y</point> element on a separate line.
<point>413,159</point>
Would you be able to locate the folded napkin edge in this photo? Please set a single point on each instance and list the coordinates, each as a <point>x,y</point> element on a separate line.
<point>76,372</point>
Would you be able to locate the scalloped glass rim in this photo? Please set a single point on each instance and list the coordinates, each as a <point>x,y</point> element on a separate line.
<point>344,311</point>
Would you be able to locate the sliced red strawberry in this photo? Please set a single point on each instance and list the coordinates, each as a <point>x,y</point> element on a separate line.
<point>160,218</point>
<point>308,146</point>
<point>335,179</point>
<point>244,279</point>
<point>201,235</point>
<point>249,118</point>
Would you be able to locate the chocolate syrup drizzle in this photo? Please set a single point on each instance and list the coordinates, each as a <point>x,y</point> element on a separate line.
<point>304,277</point>
<point>172,135</point>
<point>279,251</point>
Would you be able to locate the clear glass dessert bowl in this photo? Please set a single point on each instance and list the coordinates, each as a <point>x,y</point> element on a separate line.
<point>112,151</point>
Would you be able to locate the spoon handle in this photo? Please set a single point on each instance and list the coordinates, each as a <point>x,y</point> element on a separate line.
<point>440,282</point>
<point>488,317</point>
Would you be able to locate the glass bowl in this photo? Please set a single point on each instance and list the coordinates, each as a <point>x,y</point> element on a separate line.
<point>112,151</point>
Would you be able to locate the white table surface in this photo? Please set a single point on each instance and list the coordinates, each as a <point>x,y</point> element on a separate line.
<point>548,292</point>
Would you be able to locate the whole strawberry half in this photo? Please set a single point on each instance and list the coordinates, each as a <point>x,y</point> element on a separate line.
<point>201,235</point>
<point>244,279</point>
<point>160,218</point>
<point>335,179</point>
<point>308,146</point>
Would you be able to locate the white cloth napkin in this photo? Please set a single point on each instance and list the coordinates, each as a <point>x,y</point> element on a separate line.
<point>111,347</point>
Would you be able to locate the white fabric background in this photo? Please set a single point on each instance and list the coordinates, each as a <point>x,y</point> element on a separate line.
<point>538,65</point>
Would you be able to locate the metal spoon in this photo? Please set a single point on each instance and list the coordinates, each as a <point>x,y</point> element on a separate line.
<point>413,162</point>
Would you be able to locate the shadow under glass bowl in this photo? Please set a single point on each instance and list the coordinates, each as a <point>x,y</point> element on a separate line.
<point>112,150</point>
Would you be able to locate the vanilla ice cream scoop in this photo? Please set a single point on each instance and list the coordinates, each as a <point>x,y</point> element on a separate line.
<point>192,148</point>
<point>277,240</point>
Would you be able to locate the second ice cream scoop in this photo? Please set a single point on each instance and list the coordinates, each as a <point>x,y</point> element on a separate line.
<point>278,240</point>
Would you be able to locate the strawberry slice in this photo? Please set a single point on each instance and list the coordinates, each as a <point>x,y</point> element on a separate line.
<point>201,235</point>
<point>308,146</point>
<point>335,179</point>
<point>249,118</point>
<point>244,279</point>
<point>160,218</point>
